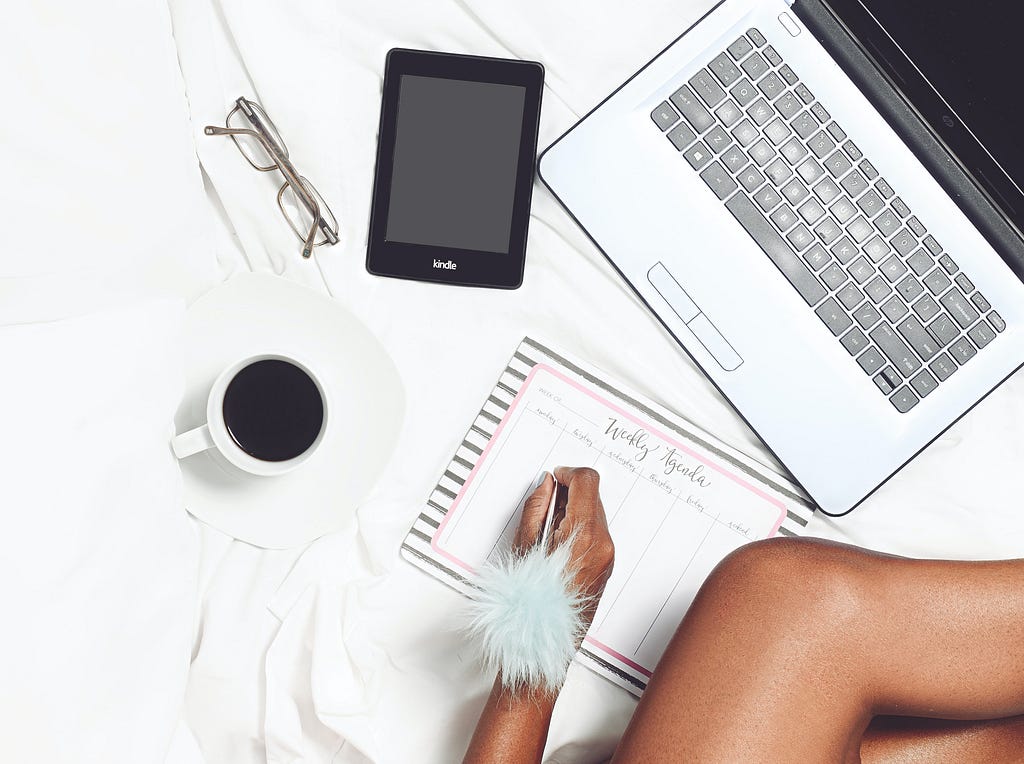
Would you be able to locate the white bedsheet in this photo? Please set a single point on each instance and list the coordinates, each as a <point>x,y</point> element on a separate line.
<point>342,652</point>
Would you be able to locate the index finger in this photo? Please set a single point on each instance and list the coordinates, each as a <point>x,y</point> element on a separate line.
<point>584,495</point>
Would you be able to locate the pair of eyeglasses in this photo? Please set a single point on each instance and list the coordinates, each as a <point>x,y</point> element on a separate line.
<point>261,144</point>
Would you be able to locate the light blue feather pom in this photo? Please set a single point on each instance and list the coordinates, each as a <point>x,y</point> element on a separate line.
<point>527,616</point>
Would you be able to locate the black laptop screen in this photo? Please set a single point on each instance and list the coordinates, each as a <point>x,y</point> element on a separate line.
<point>961,67</point>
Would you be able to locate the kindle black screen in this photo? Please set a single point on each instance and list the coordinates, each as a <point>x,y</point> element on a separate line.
<point>453,181</point>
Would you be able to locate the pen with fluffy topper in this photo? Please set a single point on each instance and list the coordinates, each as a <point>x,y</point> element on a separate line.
<point>527,611</point>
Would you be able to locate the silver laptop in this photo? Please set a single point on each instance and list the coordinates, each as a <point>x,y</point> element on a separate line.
<point>820,202</point>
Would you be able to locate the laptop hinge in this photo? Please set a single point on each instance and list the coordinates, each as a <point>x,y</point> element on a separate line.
<point>975,202</point>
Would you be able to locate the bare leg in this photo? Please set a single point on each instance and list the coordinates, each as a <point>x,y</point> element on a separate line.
<point>899,740</point>
<point>792,647</point>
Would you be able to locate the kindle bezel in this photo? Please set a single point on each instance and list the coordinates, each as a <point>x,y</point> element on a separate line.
<point>457,266</point>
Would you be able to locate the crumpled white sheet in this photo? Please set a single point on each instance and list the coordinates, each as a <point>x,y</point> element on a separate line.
<point>341,652</point>
<point>365,664</point>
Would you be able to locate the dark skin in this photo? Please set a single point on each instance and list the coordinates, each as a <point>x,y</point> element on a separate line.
<point>803,651</point>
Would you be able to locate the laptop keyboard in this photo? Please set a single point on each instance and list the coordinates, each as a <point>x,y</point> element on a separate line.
<point>851,248</point>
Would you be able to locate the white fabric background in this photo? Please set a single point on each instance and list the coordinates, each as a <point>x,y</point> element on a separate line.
<point>341,652</point>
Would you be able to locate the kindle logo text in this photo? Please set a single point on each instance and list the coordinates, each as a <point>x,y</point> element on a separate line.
<point>448,266</point>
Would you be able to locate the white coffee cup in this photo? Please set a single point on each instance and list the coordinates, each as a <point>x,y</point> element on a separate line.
<point>214,434</point>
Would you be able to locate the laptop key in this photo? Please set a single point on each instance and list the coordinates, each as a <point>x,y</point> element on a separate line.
<point>834,276</point>
<point>718,180</point>
<point>811,211</point>
<point>788,105</point>
<point>724,69</point>
<point>959,307</point>
<point>810,171</point>
<point>795,191</point>
<point>854,341</point>
<point>867,315</point>
<point>915,225</point>
<point>904,399</point>
<point>877,249</point>
<point>948,264</point>
<point>698,155</point>
<point>910,288</point>
<point>900,206</point>
<point>728,112</point>
<point>877,289</point>
<point>789,75</point>
<point>778,171</point>
<point>805,95</point>
<point>664,115</point>
<point>755,66</point>
<point>982,334</point>
<point>997,321</point>
<point>914,333</point>
<point>884,380</point>
<point>859,229</point>
<point>923,383</point>
<point>850,296</point>
<point>761,152</point>
<point>962,351</point>
<point>743,92</point>
<point>833,316</point>
<point>861,270</point>
<point>844,250</point>
<point>777,131</point>
<point>937,281</point>
<point>778,251</point>
<point>838,164</point>
<point>772,55</point>
<point>943,330</point>
<point>871,361</point>
<point>920,262</point>
<point>828,231</point>
<point>734,158</point>
<point>681,136</point>
<point>852,151</point>
<point>822,144</point>
<point>844,210</point>
<point>837,133</point>
<point>821,113</point>
<point>800,238</point>
<point>771,86</point>
<point>942,367</point>
<point>707,87</point>
<point>756,37</point>
<point>760,111</point>
<point>745,133</point>
<point>894,309</point>
<point>854,184</point>
<point>698,117</point>
<point>804,125</point>
<point>718,139</point>
<point>904,241</point>
<point>794,151</point>
<point>895,349</point>
<point>885,190</point>
<point>750,178</point>
<point>933,246</point>
<point>887,223</point>
<point>740,48</point>
<point>768,199</point>
<point>827,191</point>
<point>816,257</point>
<point>964,283</point>
<point>926,308</point>
<point>893,269</point>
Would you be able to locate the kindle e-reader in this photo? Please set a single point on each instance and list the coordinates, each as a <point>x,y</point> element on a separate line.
<point>455,161</point>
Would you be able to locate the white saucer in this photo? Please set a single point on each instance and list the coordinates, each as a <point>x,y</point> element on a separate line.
<point>257,313</point>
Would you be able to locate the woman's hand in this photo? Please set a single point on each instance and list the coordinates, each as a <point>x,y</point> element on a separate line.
<point>593,553</point>
<point>514,725</point>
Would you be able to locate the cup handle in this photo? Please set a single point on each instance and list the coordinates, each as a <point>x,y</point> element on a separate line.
<point>192,442</point>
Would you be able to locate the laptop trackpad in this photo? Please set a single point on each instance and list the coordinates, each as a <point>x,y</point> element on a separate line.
<point>691,315</point>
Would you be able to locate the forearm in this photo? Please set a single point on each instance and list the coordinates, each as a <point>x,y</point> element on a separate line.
<point>513,727</point>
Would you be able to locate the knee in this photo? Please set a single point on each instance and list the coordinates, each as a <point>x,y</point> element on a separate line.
<point>795,585</point>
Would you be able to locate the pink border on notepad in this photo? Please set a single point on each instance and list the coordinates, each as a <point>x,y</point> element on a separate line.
<point>621,412</point>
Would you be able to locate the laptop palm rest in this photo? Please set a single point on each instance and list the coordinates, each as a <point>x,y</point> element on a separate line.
<point>691,315</point>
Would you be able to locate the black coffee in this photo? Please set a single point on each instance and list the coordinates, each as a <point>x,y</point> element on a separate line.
<point>273,410</point>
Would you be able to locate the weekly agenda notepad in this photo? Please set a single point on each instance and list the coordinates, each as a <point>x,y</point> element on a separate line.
<point>677,499</point>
